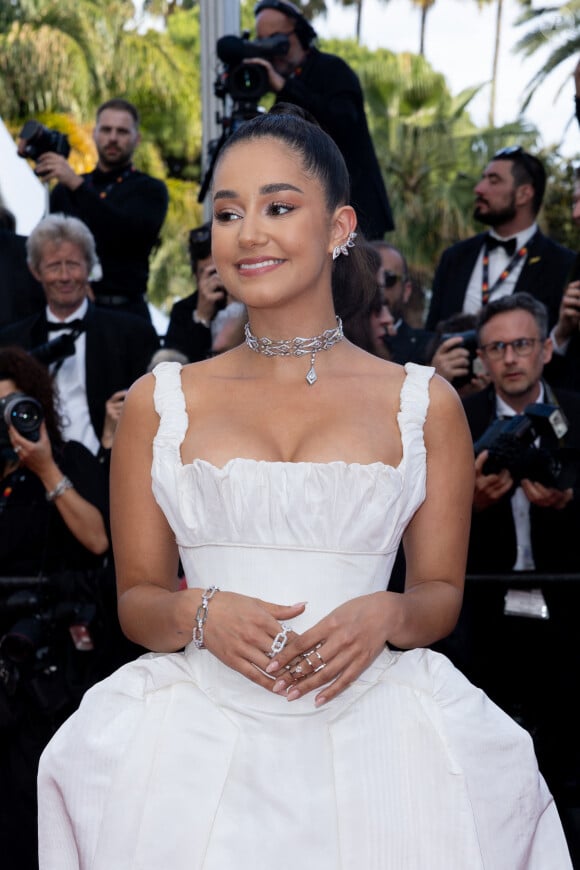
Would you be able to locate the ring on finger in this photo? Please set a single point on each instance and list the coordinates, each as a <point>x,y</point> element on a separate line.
<point>314,652</point>
<point>279,641</point>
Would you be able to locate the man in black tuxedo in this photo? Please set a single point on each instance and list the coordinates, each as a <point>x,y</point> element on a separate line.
<point>514,256</point>
<point>408,343</point>
<point>517,636</point>
<point>327,87</point>
<point>96,353</point>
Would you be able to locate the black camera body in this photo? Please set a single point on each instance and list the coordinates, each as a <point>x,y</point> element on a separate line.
<point>246,82</point>
<point>41,140</point>
<point>511,445</point>
<point>469,342</point>
<point>56,349</point>
<point>44,623</point>
<point>24,413</point>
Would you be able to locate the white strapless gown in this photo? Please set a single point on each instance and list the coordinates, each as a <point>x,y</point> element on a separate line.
<point>176,762</point>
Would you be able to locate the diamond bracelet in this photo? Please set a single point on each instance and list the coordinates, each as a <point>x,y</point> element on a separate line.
<point>201,616</point>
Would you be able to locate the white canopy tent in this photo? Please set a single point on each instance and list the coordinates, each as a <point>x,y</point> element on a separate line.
<point>20,190</point>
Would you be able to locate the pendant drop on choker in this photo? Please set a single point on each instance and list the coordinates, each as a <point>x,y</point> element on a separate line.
<point>296,346</point>
<point>311,377</point>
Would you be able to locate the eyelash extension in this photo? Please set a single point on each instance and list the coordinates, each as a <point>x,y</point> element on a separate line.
<point>224,217</point>
<point>272,208</point>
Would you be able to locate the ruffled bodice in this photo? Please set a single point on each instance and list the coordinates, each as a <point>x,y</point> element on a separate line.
<point>338,524</point>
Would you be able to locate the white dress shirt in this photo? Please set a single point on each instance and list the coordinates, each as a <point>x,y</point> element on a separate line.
<point>70,382</point>
<point>498,260</point>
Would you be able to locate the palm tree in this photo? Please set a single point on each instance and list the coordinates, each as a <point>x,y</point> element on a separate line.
<point>430,151</point>
<point>555,26</point>
<point>425,6</point>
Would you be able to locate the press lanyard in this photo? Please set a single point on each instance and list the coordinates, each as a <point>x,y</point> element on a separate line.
<point>486,291</point>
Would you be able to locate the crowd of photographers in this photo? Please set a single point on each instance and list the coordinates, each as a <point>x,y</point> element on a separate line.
<point>502,325</point>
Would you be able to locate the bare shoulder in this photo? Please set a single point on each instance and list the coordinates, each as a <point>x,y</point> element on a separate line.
<point>139,417</point>
<point>446,418</point>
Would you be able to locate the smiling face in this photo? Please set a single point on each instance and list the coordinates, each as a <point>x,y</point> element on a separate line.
<point>63,272</point>
<point>272,233</point>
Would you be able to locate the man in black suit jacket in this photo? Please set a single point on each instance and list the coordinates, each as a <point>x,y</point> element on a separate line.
<point>20,293</point>
<point>107,350</point>
<point>518,640</point>
<point>507,198</point>
<point>327,87</point>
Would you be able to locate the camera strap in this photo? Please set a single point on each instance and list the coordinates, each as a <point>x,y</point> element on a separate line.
<point>103,192</point>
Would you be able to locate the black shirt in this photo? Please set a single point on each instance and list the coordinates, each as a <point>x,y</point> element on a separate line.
<point>124,210</point>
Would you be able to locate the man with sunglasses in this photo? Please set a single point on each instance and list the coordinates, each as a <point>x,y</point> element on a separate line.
<point>516,636</point>
<point>514,255</point>
<point>405,343</point>
<point>328,88</point>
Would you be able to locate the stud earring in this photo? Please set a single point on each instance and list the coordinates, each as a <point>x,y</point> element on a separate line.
<point>343,249</point>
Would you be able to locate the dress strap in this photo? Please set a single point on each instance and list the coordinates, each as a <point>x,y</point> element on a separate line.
<point>413,410</point>
<point>170,405</point>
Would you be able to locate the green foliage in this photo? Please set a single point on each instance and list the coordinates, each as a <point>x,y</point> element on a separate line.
<point>557,27</point>
<point>59,59</point>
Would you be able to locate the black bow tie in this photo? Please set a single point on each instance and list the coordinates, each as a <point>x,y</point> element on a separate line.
<point>509,245</point>
<point>77,325</point>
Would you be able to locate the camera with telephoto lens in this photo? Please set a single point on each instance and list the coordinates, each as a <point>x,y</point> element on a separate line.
<point>243,84</point>
<point>39,140</point>
<point>247,82</point>
<point>24,413</point>
<point>511,444</point>
<point>44,623</point>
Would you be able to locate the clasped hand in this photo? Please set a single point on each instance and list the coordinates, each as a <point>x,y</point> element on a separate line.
<point>331,654</point>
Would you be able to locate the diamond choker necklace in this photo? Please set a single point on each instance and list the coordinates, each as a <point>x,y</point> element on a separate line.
<point>297,346</point>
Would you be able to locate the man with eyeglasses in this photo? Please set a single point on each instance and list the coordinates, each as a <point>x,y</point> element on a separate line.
<point>518,642</point>
<point>405,343</point>
<point>328,88</point>
<point>513,255</point>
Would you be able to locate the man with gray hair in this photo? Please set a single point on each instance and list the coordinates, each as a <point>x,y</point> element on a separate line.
<point>94,353</point>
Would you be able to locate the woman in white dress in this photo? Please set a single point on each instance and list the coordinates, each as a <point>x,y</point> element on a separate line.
<point>289,716</point>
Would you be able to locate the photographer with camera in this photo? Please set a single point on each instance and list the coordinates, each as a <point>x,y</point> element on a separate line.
<point>52,528</point>
<point>327,87</point>
<point>194,322</point>
<point>93,353</point>
<point>517,635</point>
<point>123,207</point>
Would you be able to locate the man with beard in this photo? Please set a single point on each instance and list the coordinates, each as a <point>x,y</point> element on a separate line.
<point>513,256</point>
<point>123,208</point>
